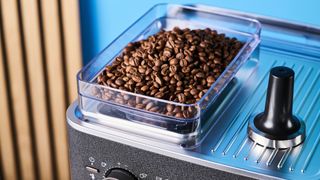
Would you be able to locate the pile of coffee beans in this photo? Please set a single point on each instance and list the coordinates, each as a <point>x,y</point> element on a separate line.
<point>178,65</point>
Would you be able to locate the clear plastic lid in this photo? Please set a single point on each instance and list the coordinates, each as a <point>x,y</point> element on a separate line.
<point>105,103</point>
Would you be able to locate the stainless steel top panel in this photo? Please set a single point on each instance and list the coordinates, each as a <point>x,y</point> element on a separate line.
<point>227,146</point>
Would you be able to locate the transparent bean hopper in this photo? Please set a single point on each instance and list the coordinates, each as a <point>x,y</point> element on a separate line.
<point>185,132</point>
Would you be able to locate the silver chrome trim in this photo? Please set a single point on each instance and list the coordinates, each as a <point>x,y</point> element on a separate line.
<point>294,140</point>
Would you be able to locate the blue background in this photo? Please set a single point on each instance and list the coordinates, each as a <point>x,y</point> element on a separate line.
<point>103,20</point>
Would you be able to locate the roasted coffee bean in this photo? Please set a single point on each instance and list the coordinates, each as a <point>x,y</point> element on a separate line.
<point>194,71</point>
<point>210,79</point>
<point>154,109</point>
<point>119,82</point>
<point>137,78</point>
<point>199,87</point>
<point>145,101</point>
<point>170,107</point>
<point>202,54</point>
<point>178,76</point>
<point>179,83</point>
<point>181,97</point>
<point>186,114</point>
<point>159,80</point>
<point>126,78</point>
<point>155,86</point>
<point>183,63</point>
<point>141,70</point>
<point>200,75</point>
<point>148,71</point>
<point>144,88</point>
<point>179,115</point>
<point>205,68</point>
<point>179,89</point>
<point>140,106</point>
<point>149,105</point>
<point>180,56</point>
<point>177,109</point>
<point>194,92</point>
<point>173,61</point>
<point>201,94</point>
<point>173,81</point>
<point>165,71</point>
<point>153,92</point>
<point>126,97</point>
<point>163,89</point>
<point>203,45</point>
<point>167,53</point>
<point>173,68</point>
<point>109,74</point>
<point>185,70</point>
<point>166,78</point>
<point>217,60</point>
<point>156,68</point>
<point>157,63</point>
<point>178,65</point>
<point>189,58</point>
<point>159,94</point>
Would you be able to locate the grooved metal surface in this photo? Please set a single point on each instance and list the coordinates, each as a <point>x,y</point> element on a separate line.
<point>233,145</point>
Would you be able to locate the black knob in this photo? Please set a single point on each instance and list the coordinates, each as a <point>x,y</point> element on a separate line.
<point>119,174</point>
<point>277,122</point>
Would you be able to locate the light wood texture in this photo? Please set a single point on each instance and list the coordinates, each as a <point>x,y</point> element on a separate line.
<point>52,34</point>
<point>7,148</point>
<point>31,27</point>
<point>70,15</point>
<point>42,46</point>
<point>17,81</point>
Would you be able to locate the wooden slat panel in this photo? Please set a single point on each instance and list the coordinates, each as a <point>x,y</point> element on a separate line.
<point>36,77</point>
<point>7,148</point>
<point>50,12</point>
<point>70,15</point>
<point>30,18</point>
<point>18,88</point>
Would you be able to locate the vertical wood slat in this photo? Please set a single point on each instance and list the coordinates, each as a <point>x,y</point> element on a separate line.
<point>17,81</point>
<point>70,15</point>
<point>8,158</point>
<point>33,47</point>
<point>59,25</point>
<point>52,34</point>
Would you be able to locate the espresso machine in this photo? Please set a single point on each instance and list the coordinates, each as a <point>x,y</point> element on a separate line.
<point>260,119</point>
